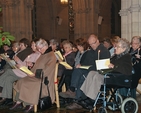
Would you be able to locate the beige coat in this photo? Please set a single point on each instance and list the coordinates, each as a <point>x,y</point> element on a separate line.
<point>91,86</point>
<point>28,87</point>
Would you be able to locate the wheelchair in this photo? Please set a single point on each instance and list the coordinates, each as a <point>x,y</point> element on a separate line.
<point>110,96</point>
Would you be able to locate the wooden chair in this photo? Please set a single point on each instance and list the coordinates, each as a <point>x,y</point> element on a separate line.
<point>139,91</point>
<point>56,86</point>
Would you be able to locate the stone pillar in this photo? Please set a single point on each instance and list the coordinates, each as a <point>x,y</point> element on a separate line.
<point>17,18</point>
<point>135,10</point>
<point>130,18</point>
<point>124,16</point>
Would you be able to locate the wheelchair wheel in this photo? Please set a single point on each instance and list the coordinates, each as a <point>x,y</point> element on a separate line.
<point>102,110</point>
<point>114,104</point>
<point>129,105</point>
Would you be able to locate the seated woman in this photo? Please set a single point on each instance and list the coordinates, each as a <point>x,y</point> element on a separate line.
<point>82,46</point>
<point>69,57</point>
<point>121,63</point>
<point>11,75</point>
<point>28,88</point>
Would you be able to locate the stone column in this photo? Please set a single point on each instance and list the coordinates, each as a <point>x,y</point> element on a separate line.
<point>135,9</point>
<point>130,18</point>
<point>124,18</point>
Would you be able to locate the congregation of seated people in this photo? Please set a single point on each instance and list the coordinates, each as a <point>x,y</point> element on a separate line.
<point>82,85</point>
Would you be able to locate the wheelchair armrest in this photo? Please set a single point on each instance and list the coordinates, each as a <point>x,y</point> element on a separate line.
<point>113,73</point>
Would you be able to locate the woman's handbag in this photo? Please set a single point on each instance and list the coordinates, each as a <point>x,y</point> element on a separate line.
<point>45,102</point>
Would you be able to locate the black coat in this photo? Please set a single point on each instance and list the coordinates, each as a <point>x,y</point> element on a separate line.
<point>91,55</point>
<point>122,64</point>
<point>70,59</point>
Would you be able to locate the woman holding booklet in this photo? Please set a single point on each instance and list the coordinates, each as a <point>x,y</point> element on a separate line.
<point>68,57</point>
<point>11,75</point>
<point>28,88</point>
<point>82,47</point>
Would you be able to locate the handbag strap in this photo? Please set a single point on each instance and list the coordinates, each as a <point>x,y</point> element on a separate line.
<point>41,86</point>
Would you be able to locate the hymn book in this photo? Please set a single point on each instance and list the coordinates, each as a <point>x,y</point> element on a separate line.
<point>60,59</point>
<point>84,67</point>
<point>102,64</point>
<point>12,63</point>
<point>26,70</point>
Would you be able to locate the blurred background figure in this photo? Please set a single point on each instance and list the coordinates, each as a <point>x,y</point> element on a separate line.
<point>54,44</point>
<point>108,44</point>
<point>7,50</point>
<point>75,49</point>
<point>114,40</point>
<point>15,46</point>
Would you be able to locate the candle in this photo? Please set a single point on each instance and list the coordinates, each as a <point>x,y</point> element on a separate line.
<point>138,50</point>
<point>98,54</point>
<point>28,57</point>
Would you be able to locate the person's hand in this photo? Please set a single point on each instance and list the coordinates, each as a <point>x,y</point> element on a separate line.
<point>30,64</point>
<point>16,58</point>
<point>1,58</point>
<point>68,68</point>
<point>111,65</point>
<point>18,65</point>
<point>137,56</point>
<point>78,65</point>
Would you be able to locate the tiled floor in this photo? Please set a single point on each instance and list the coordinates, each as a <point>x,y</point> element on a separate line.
<point>63,110</point>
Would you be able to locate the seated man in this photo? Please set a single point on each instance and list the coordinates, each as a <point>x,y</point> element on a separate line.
<point>88,59</point>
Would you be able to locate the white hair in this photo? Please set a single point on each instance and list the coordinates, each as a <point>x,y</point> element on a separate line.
<point>41,43</point>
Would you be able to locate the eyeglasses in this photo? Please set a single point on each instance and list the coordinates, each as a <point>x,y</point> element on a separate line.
<point>93,43</point>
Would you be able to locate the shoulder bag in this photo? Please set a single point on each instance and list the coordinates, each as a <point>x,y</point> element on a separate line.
<point>45,102</point>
